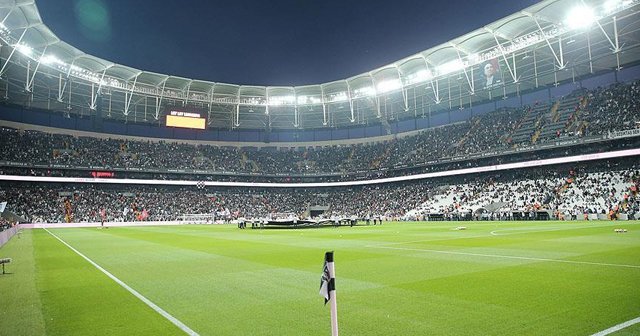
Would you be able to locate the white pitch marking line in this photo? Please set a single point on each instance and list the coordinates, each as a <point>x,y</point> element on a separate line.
<point>618,327</point>
<point>495,233</point>
<point>430,240</point>
<point>148,302</point>
<point>525,230</point>
<point>506,256</point>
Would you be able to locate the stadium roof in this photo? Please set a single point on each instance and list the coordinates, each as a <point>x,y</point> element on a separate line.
<point>541,26</point>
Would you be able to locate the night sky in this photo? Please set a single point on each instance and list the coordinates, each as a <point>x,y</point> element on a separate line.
<point>258,42</point>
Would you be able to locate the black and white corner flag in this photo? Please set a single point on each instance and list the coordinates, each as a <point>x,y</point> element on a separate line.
<point>327,283</point>
<point>328,289</point>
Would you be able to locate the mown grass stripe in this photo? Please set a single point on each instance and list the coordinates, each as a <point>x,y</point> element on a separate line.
<point>505,256</point>
<point>142,298</point>
<point>20,305</point>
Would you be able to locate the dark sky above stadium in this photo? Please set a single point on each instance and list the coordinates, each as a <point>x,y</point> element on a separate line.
<point>277,42</point>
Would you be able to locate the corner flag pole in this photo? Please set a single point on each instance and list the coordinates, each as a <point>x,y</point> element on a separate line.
<point>328,290</point>
<point>334,298</point>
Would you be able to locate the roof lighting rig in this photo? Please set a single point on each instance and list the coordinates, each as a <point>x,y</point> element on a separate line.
<point>581,17</point>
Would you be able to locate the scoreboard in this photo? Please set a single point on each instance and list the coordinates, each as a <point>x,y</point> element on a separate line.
<point>186,120</point>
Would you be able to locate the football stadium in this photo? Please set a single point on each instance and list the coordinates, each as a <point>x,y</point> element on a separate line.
<point>484,186</point>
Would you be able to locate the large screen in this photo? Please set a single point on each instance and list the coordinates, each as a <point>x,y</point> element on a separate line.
<point>186,120</point>
<point>102,174</point>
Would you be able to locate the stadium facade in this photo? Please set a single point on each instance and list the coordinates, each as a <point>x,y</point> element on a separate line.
<point>538,73</point>
<point>533,117</point>
<point>542,52</point>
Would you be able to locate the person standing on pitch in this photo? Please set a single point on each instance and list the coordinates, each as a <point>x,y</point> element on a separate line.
<point>103,214</point>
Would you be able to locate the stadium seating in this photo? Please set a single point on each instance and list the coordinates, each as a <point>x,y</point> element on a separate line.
<point>593,188</point>
<point>581,113</point>
<point>564,191</point>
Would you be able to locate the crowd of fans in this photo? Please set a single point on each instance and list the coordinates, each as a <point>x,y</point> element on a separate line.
<point>613,109</point>
<point>439,166</point>
<point>5,224</point>
<point>47,204</point>
<point>599,188</point>
<point>492,132</point>
<point>597,112</point>
<point>609,189</point>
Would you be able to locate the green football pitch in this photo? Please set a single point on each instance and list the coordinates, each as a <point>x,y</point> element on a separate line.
<point>505,278</point>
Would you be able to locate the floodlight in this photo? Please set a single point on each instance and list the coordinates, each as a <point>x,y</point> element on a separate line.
<point>450,67</point>
<point>24,49</point>
<point>341,96</point>
<point>281,100</point>
<point>365,91</point>
<point>311,100</point>
<point>50,59</point>
<point>474,58</point>
<point>580,17</point>
<point>368,91</point>
<point>389,85</point>
<point>611,5</point>
<point>423,75</point>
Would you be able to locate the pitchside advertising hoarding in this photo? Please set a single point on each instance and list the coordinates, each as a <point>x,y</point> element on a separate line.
<point>185,119</point>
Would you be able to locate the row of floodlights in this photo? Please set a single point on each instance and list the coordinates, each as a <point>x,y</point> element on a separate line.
<point>579,17</point>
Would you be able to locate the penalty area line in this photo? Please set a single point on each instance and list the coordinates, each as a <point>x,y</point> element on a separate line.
<point>618,327</point>
<point>505,256</point>
<point>148,302</point>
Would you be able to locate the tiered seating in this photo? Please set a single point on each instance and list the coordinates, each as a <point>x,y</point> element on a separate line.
<point>594,188</point>
<point>525,132</point>
<point>615,108</point>
<point>521,195</point>
<point>597,191</point>
<point>491,131</point>
<point>607,110</point>
<point>558,121</point>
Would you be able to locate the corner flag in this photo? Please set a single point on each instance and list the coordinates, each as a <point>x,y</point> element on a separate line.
<point>328,290</point>
<point>327,283</point>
